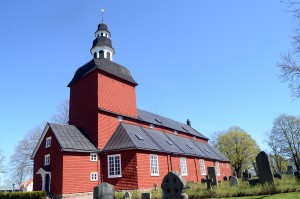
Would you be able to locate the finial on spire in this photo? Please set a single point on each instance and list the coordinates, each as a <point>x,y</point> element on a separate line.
<point>102,12</point>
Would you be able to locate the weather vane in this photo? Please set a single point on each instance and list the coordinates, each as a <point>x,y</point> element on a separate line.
<point>102,12</point>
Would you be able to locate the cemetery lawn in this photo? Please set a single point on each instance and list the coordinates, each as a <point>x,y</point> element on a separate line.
<point>294,195</point>
<point>287,188</point>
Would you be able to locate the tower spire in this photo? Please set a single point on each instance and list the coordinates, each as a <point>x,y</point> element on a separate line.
<point>102,13</point>
<point>102,45</point>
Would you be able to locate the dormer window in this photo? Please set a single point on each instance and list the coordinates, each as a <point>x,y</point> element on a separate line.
<point>175,132</point>
<point>120,118</point>
<point>151,126</point>
<point>95,54</point>
<point>48,142</point>
<point>101,34</point>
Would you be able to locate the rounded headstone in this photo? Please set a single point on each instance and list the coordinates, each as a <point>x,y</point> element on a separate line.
<point>104,190</point>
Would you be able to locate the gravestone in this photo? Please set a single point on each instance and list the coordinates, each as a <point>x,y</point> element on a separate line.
<point>264,168</point>
<point>290,170</point>
<point>246,175</point>
<point>212,175</point>
<point>225,178</point>
<point>278,175</point>
<point>234,181</point>
<point>172,186</point>
<point>297,174</point>
<point>145,195</point>
<point>104,191</point>
<point>253,182</point>
<point>208,182</point>
<point>127,195</point>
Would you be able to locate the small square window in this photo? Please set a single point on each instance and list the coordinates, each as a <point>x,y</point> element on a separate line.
<point>94,176</point>
<point>47,159</point>
<point>152,126</point>
<point>93,157</point>
<point>227,165</point>
<point>120,118</point>
<point>48,142</point>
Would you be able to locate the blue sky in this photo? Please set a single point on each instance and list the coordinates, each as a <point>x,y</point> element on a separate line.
<point>213,62</point>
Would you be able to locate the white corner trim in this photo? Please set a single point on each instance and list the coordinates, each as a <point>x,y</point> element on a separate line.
<point>40,140</point>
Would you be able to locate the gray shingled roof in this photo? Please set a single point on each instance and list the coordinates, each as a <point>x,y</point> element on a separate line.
<point>163,121</point>
<point>128,136</point>
<point>106,66</point>
<point>71,139</point>
<point>102,41</point>
<point>102,26</point>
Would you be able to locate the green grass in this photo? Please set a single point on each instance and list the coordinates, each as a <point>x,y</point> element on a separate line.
<point>223,190</point>
<point>293,195</point>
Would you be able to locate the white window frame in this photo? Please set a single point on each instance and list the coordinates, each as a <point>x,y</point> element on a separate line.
<point>48,142</point>
<point>93,176</point>
<point>120,118</point>
<point>93,157</point>
<point>217,168</point>
<point>183,167</point>
<point>47,160</point>
<point>113,167</point>
<point>154,169</point>
<point>202,167</point>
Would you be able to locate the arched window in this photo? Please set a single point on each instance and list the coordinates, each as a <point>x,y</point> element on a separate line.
<point>101,34</point>
<point>95,54</point>
<point>101,54</point>
<point>108,55</point>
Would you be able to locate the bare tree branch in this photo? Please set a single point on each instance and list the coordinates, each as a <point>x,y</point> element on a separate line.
<point>62,116</point>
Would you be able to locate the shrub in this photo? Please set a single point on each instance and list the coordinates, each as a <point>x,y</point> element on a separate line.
<point>23,195</point>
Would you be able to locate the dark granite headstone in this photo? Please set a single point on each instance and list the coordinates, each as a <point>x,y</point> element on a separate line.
<point>208,182</point>
<point>172,186</point>
<point>277,175</point>
<point>297,174</point>
<point>127,195</point>
<point>225,178</point>
<point>253,182</point>
<point>234,181</point>
<point>104,191</point>
<point>145,195</point>
<point>212,175</point>
<point>246,175</point>
<point>290,170</point>
<point>264,168</point>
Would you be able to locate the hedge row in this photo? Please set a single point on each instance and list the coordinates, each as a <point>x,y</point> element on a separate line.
<point>23,195</point>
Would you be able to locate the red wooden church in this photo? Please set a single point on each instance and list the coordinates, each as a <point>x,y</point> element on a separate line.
<point>108,139</point>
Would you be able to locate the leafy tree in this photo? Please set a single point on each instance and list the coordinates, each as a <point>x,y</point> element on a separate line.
<point>2,158</point>
<point>284,139</point>
<point>239,147</point>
